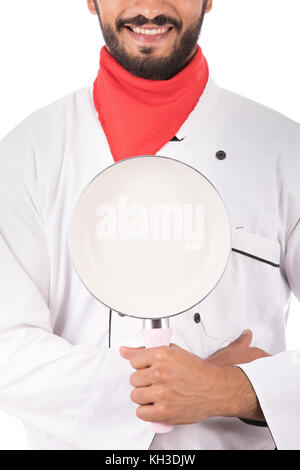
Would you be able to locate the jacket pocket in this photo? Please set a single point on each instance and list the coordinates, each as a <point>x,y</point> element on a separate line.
<point>256,247</point>
<point>249,293</point>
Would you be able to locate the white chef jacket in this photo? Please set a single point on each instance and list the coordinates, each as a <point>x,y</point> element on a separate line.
<point>60,368</point>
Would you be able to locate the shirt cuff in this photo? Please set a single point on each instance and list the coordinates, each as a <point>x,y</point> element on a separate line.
<point>276,382</point>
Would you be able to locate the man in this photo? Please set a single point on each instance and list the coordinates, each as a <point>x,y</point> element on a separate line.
<point>62,369</point>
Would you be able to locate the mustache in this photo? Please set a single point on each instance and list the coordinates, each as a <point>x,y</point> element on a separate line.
<point>140,20</point>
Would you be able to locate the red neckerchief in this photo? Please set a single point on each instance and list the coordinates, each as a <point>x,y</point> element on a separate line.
<point>139,116</point>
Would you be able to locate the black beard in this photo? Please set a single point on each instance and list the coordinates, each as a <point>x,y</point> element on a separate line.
<point>154,68</point>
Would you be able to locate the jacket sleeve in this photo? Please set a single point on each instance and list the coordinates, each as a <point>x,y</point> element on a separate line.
<point>276,380</point>
<point>60,389</point>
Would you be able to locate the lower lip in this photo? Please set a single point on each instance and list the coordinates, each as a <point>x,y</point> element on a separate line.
<point>148,37</point>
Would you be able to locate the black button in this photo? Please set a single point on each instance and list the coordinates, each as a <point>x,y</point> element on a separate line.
<point>221,155</point>
<point>197,318</point>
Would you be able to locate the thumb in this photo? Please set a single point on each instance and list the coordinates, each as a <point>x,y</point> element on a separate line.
<point>242,341</point>
<point>127,352</point>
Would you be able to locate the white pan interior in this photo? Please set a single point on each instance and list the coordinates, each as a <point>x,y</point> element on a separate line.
<point>150,237</point>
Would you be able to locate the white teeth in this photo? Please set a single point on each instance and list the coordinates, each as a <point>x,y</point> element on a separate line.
<point>150,32</point>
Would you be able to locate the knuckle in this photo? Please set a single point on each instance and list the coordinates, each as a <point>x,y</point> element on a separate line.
<point>162,353</point>
<point>159,372</point>
<point>164,410</point>
<point>162,393</point>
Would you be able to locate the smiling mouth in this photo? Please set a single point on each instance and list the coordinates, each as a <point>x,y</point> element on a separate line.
<point>153,33</point>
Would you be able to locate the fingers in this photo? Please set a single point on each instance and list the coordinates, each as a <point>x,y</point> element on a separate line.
<point>153,413</point>
<point>252,354</point>
<point>142,378</point>
<point>142,358</point>
<point>146,395</point>
<point>139,361</point>
<point>243,356</point>
<point>127,352</point>
<point>242,341</point>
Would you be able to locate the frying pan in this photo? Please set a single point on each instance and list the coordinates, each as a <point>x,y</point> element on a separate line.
<point>150,238</point>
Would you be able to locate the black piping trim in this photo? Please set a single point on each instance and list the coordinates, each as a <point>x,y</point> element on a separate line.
<point>109,329</point>
<point>252,422</point>
<point>176,139</point>
<point>257,258</point>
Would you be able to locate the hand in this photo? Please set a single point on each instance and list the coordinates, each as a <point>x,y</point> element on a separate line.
<point>238,352</point>
<point>173,386</point>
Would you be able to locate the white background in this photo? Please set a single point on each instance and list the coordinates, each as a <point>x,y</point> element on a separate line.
<point>49,48</point>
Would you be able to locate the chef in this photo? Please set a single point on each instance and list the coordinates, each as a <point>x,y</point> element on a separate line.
<point>72,370</point>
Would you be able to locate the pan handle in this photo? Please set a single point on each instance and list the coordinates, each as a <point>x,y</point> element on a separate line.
<point>156,336</point>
